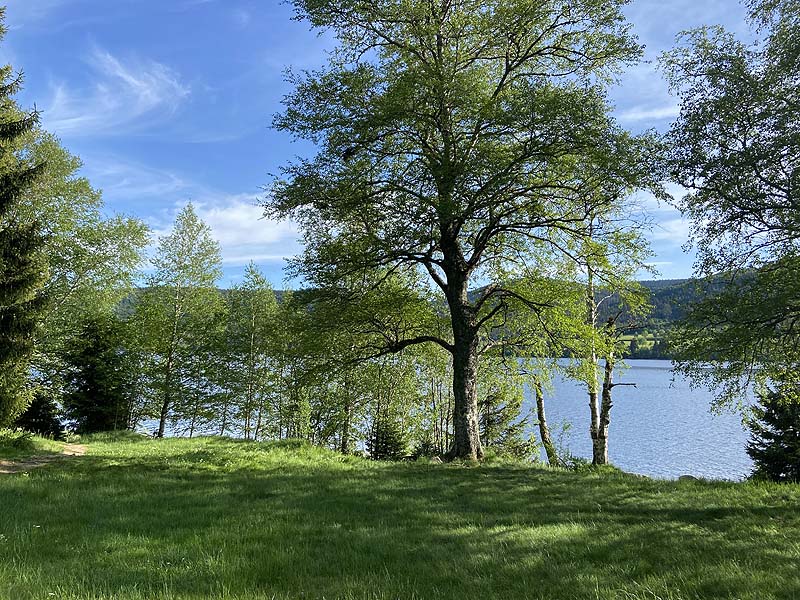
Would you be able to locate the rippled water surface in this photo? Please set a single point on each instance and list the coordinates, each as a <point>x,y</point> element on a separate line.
<point>661,428</point>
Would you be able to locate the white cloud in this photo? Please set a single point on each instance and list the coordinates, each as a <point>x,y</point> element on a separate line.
<point>123,180</point>
<point>641,113</point>
<point>237,222</point>
<point>123,98</point>
<point>675,231</point>
<point>244,234</point>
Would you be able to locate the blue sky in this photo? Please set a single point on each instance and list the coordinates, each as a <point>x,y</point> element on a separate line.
<point>168,101</point>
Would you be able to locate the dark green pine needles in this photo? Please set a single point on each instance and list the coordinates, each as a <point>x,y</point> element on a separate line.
<point>22,264</point>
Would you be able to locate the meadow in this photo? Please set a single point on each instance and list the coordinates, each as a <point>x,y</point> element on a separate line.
<point>218,518</point>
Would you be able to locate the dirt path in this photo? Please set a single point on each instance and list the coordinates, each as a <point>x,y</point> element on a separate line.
<point>8,467</point>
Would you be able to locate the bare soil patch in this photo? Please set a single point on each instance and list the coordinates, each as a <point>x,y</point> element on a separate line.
<point>8,467</point>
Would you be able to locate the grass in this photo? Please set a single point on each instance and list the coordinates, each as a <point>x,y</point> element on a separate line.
<point>16,444</point>
<point>217,518</point>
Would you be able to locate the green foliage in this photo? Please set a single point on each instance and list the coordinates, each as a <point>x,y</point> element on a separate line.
<point>43,416</point>
<point>179,320</point>
<point>100,390</point>
<point>387,440</point>
<point>747,324</point>
<point>23,270</point>
<point>735,147</point>
<point>775,440</point>
<point>456,146</point>
<point>250,354</point>
<point>92,258</point>
<point>502,424</point>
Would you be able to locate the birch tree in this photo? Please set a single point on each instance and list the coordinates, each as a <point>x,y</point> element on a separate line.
<point>187,266</point>
<point>251,338</point>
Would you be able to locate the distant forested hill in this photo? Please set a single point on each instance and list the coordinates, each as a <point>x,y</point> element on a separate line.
<point>647,338</point>
<point>669,299</point>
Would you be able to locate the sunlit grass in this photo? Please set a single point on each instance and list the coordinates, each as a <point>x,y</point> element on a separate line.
<point>16,444</point>
<point>215,518</point>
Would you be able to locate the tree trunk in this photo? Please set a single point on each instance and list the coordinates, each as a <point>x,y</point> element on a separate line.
<point>605,411</point>
<point>348,411</point>
<point>466,432</point>
<point>167,396</point>
<point>176,311</point>
<point>544,429</point>
<point>224,424</point>
<point>598,453</point>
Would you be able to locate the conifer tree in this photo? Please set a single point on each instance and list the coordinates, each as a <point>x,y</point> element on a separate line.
<point>100,377</point>
<point>22,267</point>
<point>387,440</point>
<point>775,442</point>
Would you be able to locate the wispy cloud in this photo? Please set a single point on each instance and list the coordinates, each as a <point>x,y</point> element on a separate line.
<point>643,113</point>
<point>675,231</point>
<point>125,97</point>
<point>123,181</point>
<point>236,220</point>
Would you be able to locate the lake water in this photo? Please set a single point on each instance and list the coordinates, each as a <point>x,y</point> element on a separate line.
<point>661,428</point>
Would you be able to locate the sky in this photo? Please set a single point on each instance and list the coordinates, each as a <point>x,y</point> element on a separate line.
<point>171,101</point>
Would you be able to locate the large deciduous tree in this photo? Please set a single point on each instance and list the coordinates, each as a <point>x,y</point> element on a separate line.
<point>23,270</point>
<point>736,148</point>
<point>448,134</point>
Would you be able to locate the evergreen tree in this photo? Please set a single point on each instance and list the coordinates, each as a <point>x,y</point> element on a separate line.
<point>99,380</point>
<point>22,267</point>
<point>501,422</point>
<point>775,442</point>
<point>387,440</point>
<point>42,416</point>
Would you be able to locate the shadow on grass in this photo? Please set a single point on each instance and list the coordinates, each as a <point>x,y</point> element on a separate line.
<point>194,523</point>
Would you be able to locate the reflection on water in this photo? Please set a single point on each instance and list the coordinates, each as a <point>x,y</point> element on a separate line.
<point>661,428</point>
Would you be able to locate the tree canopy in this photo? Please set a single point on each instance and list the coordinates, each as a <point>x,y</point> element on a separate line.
<point>736,148</point>
<point>458,140</point>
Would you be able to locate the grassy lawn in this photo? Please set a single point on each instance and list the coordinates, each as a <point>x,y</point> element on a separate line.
<point>216,518</point>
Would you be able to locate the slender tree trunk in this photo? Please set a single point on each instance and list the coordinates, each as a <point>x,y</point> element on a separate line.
<point>594,400</point>
<point>348,411</point>
<point>605,409</point>
<point>251,375</point>
<point>224,424</point>
<point>544,429</point>
<point>448,419</point>
<point>165,405</point>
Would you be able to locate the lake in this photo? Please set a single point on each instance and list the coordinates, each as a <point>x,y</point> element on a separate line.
<point>661,428</point>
